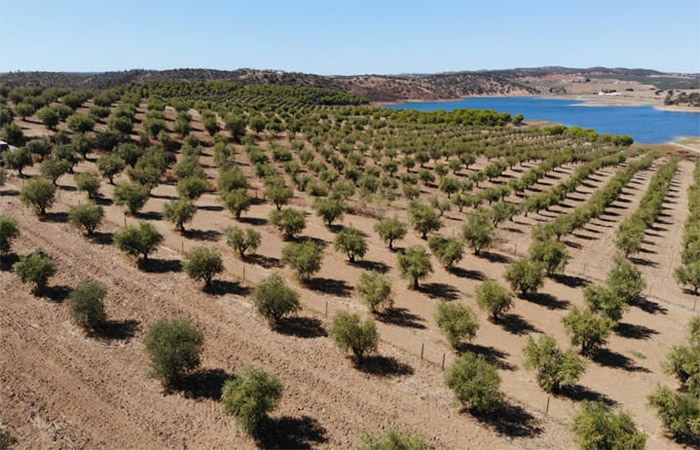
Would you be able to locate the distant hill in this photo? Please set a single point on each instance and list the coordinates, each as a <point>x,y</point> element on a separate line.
<point>378,88</point>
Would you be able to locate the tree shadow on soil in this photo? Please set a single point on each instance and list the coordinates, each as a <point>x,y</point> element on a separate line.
<point>160,265</point>
<point>516,324</point>
<point>609,358</point>
<point>401,317</point>
<point>466,273</point>
<point>57,294</point>
<point>255,221</point>
<point>495,257</point>
<point>329,286</point>
<point>203,235</point>
<point>570,280</point>
<point>511,420</point>
<point>9,193</point>
<point>118,330</point>
<point>372,265</point>
<point>291,432</point>
<point>214,208</point>
<point>267,262</point>
<point>102,238</point>
<point>223,287</point>
<point>8,261</point>
<point>579,393</point>
<point>547,300</point>
<point>632,331</point>
<point>150,215</point>
<point>649,306</point>
<point>56,217</point>
<point>302,327</point>
<point>492,355</point>
<point>439,290</point>
<point>203,384</point>
<point>383,366</point>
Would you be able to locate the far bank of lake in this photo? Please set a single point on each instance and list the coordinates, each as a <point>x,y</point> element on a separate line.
<point>646,124</point>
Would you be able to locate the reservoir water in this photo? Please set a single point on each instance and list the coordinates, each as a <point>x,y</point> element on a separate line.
<point>645,124</point>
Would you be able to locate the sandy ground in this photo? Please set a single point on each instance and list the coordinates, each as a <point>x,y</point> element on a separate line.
<point>61,389</point>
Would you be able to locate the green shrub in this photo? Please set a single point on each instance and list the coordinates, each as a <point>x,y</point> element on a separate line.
<point>242,241</point>
<point>289,221</point>
<point>625,280</point>
<point>110,166</point>
<point>683,362</point>
<point>390,230</point>
<point>192,187</point>
<point>587,329</point>
<point>595,428</point>
<point>493,298</point>
<point>89,183</point>
<point>7,440</point>
<point>352,242</point>
<point>604,301</point>
<point>273,299</point>
<point>351,334</point>
<point>174,346</point>
<point>17,159</point>
<point>304,258</point>
<point>414,264</point>
<point>391,440</point>
<point>475,383</point>
<point>555,369</point>
<point>525,276</point>
<point>35,268</point>
<point>689,274</point>
<point>424,219</point>
<point>8,231</point>
<point>236,201</point>
<point>87,216</point>
<point>479,231</point>
<point>448,251</point>
<point>179,212</point>
<point>375,290</point>
<point>457,322</point>
<point>250,395</point>
<point>679,412</point>
<point>138,241</point>
<point>329,209</point>
<point>202,263</point>
<point>131,195</point>
<point>551,254</point>
<point>86,307</point>
<point>53,168</point>
<point>38,193</point>
<point>278,194</point>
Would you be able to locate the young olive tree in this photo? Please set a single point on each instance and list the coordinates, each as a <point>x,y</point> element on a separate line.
<point>39,194</point>
<point>174,347</point>
<point>273,299</point>
<point>8,231</point>
<point>587,330</point>
<point>555,368</point>
<point>595,427</point>
<point>414,264</point>
<point>86,306</point>
<point>304,258</point>
<point>390,230</point>
<point>290,221</point>
<point>375,291</point>
<point>424,219</point>
<point>525,276</point>
<point>138,241</point>
<point>131,195</point>
<point>448,251</point>
<point>457,322</point>
<point>35,268</point>
<point>87,216</point>
<point>88,183</point>
<point>551,254</point>
<point>179,212</point>
<point>241,241</point>
<point>479,231</point>
<point>250,395</point>
<point>475,382</point>
<point>203,263</point>
<point>351,334</point>
<point>352,242</point>
<point>493,298</point>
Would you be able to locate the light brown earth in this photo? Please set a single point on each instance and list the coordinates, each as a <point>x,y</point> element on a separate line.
<point>62,389</point>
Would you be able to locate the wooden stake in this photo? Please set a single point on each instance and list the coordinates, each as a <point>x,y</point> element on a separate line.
<point>443,361</point>
<point>546,411</point>
<point>422,347</point>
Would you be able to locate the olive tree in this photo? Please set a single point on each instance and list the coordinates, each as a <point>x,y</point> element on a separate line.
<point>595,427</point>
<point>38,193</point>
<point>174,347</point>
<point>241,241</point>
<point>424,219</point>
<point>250,395</point>
<point>689,275</point>
<point>273,299</point>
<point>131,195</point>
<point>587,330</point>
<point>54,168</point>
<point>8,231</point>
<point>138,241</point>
<point>625,280</point>
<point>88,183</point>
<point>35,268</point>
<point>555,368</point>
<point>86,305</point>
<point>179,212</point>
<point>457,322</point>
<point>87,216</point>
<point>493,298</point>
<point>479,231</point>
<point>375,290</point>
<point>350,333</point>
<point>278,194</point>
<point>110,166</point>
<point>304,258</point>
<point>414,264</point>
<point>604,301</point>
<point>290,221</point>
<point>17,159</point>
<point>236,201</point>
<point>202,264</point>
<point>352,242</point>
<point>475,382</point>
<point>329,209</point>
<point>390,230</point>
<point>525,276</point>
<point>679,412</point>
<point>392,440</point>
<point>447,251</point>
<point>551,254</point>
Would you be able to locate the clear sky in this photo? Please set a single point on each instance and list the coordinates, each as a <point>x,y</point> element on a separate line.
<point>358,37</point>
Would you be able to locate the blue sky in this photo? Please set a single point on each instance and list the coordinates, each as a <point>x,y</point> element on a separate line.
<point>333,37</point>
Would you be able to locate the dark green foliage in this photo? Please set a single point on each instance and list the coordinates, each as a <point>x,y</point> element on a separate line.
<point>87,216</point>
<point>8,231</point>
<point>679,412</point>
<point>35,268</point>
<point>375,290</point>
<point>597,428</point>
<point>138,241</point>
<point>17,159</point>
<point>390,230</point>
<point>40,147</point>
<point>414,264</point>
<point>279,194</point>
<point>250,395</point>
<point>192,187</point>
<point>551,254</point>
<point>625,280</point>
<point>475,383</point>
<point>290,221</point>
<point>109,166</point>
<point>86,306</point>
<point>424,219</point>
<point>604,301</point>
<point>493,298</point>
<point>447,251</point>
<point>7,440</point>
<point>89,183</point>
<point>478,231</point>
<point>525,276</point>
<point>329,209</point>
<point>179,212</point>
<point>273,299</point>
<point>38,193</point>
<point>351,334</point>
<point>53,168</point>
<point>202,264</point>
<point>352,242</point>
<point>391,440</point>
<point>457,322</point>
<point>236,201</point>
<point>304,258</point>
<point>131,195</point>
<point>174,346</point>
<point>587,329</point>
<point>555,368</point>
<point>81,123</point>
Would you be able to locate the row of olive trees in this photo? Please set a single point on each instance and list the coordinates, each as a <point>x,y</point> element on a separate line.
<point>688,273</point>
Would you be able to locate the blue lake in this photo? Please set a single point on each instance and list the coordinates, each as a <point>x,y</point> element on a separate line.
<point>645,124</point>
